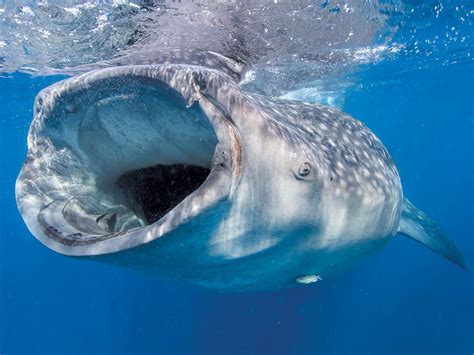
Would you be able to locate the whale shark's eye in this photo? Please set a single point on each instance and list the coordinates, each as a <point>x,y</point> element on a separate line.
<point>304,169</point>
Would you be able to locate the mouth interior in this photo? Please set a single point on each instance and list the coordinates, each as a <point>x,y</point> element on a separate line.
<point>156,190</point>
<point>127,154</point>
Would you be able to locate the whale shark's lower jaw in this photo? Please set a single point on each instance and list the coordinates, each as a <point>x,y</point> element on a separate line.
<point>118,158</point>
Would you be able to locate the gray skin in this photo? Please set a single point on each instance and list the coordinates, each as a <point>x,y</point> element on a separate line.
<point>296,192</point>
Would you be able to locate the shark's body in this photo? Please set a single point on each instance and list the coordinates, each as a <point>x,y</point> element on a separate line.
<point>171,168</point>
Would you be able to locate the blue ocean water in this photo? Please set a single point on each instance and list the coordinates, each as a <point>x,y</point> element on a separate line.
<point>404,299</point>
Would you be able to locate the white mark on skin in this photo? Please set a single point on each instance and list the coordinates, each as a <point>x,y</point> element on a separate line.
<point>308,279</point>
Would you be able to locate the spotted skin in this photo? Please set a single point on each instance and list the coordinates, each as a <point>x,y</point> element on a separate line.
<point>347,150</point>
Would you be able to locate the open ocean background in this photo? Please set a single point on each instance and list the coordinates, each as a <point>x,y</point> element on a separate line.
<point>405,299</point>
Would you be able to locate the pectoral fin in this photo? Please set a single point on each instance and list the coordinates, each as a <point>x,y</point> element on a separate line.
<point>416,225</point>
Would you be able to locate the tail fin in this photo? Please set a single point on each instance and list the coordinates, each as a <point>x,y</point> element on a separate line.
<point>416,225</point>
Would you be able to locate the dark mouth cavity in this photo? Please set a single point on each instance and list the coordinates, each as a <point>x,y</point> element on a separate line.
<point>158,189</point>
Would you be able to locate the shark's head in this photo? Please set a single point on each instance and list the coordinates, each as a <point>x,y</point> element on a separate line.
<point>121,156</point>
<point>172,168</point>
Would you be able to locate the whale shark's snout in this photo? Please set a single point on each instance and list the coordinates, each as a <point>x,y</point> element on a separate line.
<point>122,156</point>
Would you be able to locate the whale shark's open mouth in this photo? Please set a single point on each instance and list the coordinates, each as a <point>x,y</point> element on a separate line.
<point>118,151</point>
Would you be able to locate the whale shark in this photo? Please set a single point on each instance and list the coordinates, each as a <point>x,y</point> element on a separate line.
<point>162,163</point>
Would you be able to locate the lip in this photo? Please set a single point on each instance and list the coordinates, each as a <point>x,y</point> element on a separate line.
<point>80,144</point>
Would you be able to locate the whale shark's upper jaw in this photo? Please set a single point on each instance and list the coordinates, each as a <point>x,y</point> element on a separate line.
<point>121,156</point>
